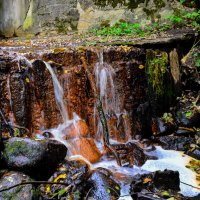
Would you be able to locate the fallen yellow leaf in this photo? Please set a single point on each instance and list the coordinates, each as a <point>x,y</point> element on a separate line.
<point>66,71</point>
<point>27,80</point>
<point>61,176</point>
<point>141,66</point>
<point>147,180</point>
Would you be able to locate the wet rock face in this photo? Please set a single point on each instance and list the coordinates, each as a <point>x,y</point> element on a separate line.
<point>85,147</point>
<point>44,94</point>
<point>25,192</point>
<point>21,99</point>
<point>129,82</point>
<point>101,186</point>
<point>33,97</point>
<point>37,158</point>
<point>179,143</point>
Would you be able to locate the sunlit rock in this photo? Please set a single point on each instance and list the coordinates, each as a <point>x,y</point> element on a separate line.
<point>77,129</point>
<point>85,147</point>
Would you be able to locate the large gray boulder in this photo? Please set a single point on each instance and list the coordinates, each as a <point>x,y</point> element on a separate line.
<point>38,158</point>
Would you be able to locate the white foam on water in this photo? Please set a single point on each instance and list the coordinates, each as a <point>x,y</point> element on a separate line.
<point>173,160</point>
<point>167,159</point>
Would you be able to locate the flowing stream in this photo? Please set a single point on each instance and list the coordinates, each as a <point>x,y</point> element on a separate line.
<point>166,159</point>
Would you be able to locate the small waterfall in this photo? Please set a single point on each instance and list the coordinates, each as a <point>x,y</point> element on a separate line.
<point>76,118</point>
<point>59,94</point>
<point>104,75</point>
<point>60,131</point>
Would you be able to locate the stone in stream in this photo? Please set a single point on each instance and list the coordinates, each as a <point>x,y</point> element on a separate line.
<point>167,179</point>
<point>23,192</point>
<point>85,147</point>
<point>38,158</point>
<point>77,129</point>
<point>194,153</point>
<point>101,185</point>
<point>160,183</point>
<point>179,143</point>
<point>138,154</point>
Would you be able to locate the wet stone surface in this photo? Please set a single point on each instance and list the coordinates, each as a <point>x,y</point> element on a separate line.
<point>37,158</point>
<point>23,192</point>
<point>179,143</point>
<point>156,185</point>
<point>101,185</point>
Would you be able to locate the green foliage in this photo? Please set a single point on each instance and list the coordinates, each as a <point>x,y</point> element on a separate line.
<point>178,19</point>
<point>16,132</point>
<point>182,1</point>
<point>156,66</point>
<point>188,114</point>
<point>59,193</point>
<point>181,18</point>
<point>120,28</point>
<point>175,19</point>
<point>197,59</point>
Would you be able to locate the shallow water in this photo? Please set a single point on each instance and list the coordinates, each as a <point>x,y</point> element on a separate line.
<point>167,159</point>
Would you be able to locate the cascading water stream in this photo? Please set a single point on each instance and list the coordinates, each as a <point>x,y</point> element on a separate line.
<point>58,132</point>
<point>105,83</point>
<point>104,74</point>
<point>59,94</point>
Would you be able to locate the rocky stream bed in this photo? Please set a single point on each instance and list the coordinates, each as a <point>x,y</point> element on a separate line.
<point>51,135</point>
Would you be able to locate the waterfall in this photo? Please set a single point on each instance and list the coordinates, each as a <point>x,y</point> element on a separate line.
<point>59,132</point>
<point>59,94</point>
<point>105,75</point>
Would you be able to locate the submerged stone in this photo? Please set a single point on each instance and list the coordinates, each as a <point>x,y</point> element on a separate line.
<point>37,158</point>
<point>139,155</point>
<point>23,192</point>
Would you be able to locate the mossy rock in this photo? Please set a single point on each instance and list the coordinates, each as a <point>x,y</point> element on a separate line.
<point>33,157</point>
<point>160,81</point>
